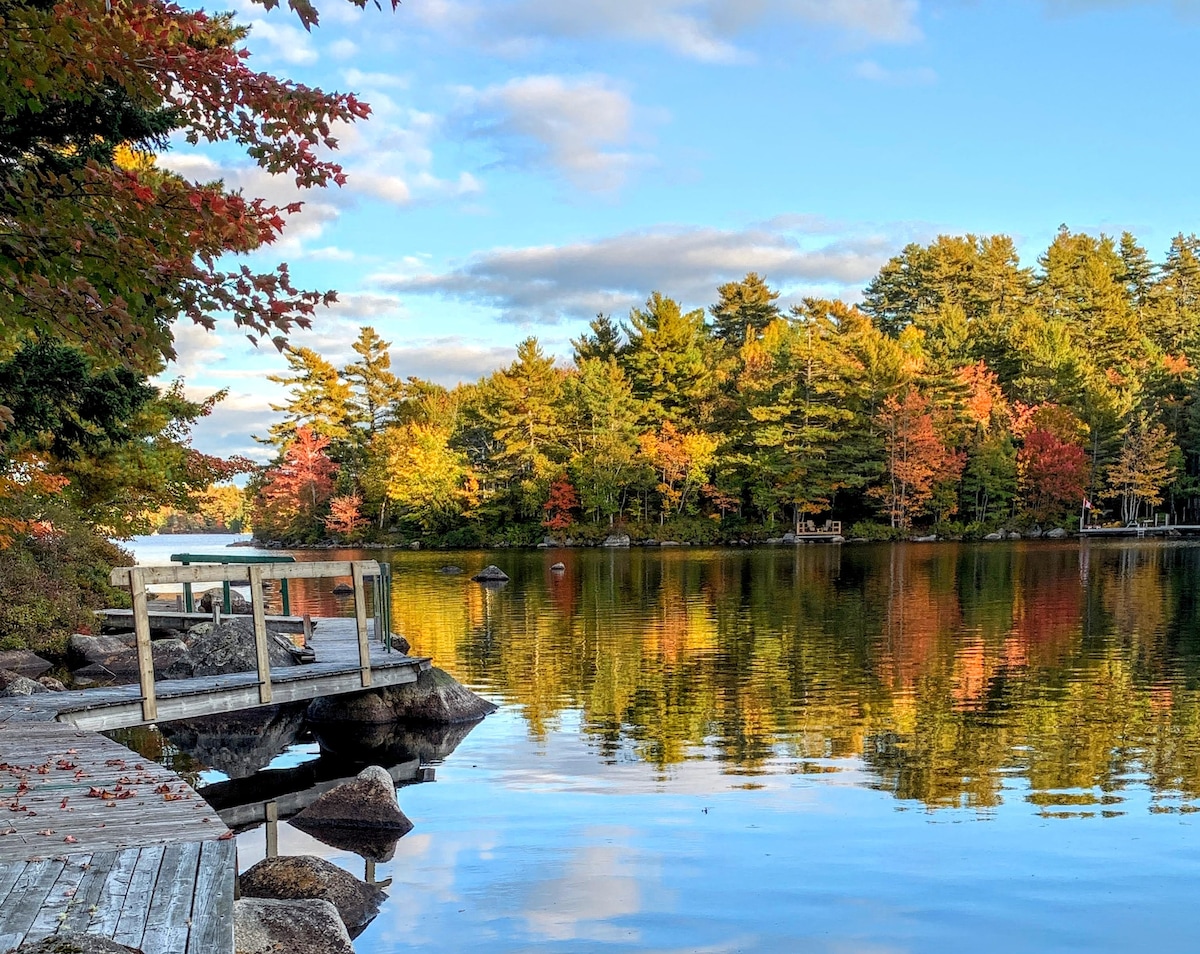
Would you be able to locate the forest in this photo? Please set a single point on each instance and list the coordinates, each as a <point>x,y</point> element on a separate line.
<point>965,393</point>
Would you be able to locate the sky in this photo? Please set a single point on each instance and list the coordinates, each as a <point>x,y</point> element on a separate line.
<point>530,163</point>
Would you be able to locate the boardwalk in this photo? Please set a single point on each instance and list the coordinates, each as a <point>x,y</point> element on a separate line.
<point>337,670</point>
<point>96,840</point>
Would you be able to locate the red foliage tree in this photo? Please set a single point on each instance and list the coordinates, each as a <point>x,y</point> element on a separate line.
<point>297,489</point>
<point>917,460</point>
<point>345,518</point>
<point>563,500</point>
<point>1053,475</point>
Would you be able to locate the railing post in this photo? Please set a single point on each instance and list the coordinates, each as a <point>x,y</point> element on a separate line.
<point>283,588</point>
<point>360,619</point>
<point>141,629</point>
<point>260,635</point>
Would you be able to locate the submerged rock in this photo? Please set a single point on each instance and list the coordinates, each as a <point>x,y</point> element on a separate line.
<point>70,943</point>
<point>263,926</point>
<point>229,647</point>
<point>490,574</point>
<point>14,684</point>
<point>436,697</point>
<point>305,877</point>
<point>23,662</point>
<point>343,589</point>
<point>450,570</point>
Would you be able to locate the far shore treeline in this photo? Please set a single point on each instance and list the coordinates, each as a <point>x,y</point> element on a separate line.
<point>967,392</point>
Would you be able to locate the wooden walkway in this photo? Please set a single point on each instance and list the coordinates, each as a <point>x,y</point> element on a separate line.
<point>98,841</point>
<point>336,671</point>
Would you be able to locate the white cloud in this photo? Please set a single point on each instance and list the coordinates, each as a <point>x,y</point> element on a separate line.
<point>704,30</point>
<point>575,126</point>
<point>343,48</point>
<point>358,80</point>
<point>919,76</point>
<point>283,42</point>
<point>549,284</point>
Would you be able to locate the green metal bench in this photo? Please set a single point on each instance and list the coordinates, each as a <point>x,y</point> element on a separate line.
<point>187,559</point>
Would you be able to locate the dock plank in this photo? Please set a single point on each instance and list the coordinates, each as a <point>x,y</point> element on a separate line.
<point>25,901</point>
<point>168,921</point>
<point>88,893</point>
<point>58,902</point>
<point>212,909</point>
<point>131,925</point>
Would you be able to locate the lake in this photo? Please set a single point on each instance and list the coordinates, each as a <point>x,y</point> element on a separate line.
<point>830,749</point>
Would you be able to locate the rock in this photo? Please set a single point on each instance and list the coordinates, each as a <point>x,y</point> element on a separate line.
<point>263,926</point>
<point>108,659</point>
<point>669,543</point>
<point>436,697</point>
<point>774,540</point>
<point>789,537</point>
<point>1013,535</point>
<point>490,574</point>
<point>229,647</point>
<point>616,540</point>
<point>389,744</point>
<point>366,806</point>
<point>304,877</point>
<point>14,684</point>
<point>238,604</point>
<point>415,545</point>
<point>558,568</point>
<point>343,589</point>
<point>998,535</point>
<point>23,662</point>
<point>931,538</point>
<point>1058,533</point>
<point>70,943</point>
<point>54,685</point>
<point>450,570</point>
<point>400,643</point>
<point>837,538</point>
<point>1034,534</point>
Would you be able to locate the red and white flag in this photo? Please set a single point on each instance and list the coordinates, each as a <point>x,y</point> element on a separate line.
<point>1087,504</point>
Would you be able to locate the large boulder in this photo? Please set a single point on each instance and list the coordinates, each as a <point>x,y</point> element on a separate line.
<point>616,540</point>
<point>14,684</point>
<point>238,604</point>
<point>107,659</point>
<point>24,662</point>
<point>391,744</point>
<point>305,876</point>
<point>71,943</point>
<point>361,816</point>
<point>264,926</point>
<point>436,697</point>
<point>229,647</point>
<point>491,574</point>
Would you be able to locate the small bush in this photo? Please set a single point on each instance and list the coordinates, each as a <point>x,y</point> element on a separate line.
<point>869,530</point>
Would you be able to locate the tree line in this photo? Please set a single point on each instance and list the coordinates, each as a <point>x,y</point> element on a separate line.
<point>966,392</point>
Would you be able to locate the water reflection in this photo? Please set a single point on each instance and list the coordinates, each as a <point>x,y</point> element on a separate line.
<point>945,670</point>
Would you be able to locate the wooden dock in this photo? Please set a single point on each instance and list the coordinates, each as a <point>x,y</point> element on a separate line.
<point>97,840</point>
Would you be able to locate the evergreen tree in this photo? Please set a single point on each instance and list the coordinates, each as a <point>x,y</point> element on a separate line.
<point>319,399</point>
<point>669,361</point>
<point>603,344</point>
<point>373,387</point>
<point>743,310</point>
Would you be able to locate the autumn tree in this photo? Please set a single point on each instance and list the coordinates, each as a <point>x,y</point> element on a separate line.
<point>563,500</point>
<point>293,498</point>
<point>917,460</point>
<point>1143,469</point>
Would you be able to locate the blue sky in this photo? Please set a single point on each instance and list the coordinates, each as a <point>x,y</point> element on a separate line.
<point>531,162</point>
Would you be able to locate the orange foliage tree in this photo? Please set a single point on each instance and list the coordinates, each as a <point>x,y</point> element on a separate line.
<point>917,460</point>
<point>294,492</point>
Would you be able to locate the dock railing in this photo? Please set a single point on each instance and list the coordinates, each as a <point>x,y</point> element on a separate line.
<point>137,578</point>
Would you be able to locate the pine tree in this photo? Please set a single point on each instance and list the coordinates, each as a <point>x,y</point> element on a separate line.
<point>320,399</point>
<point>743,310</point>
<point>373,386</point>
<point>603,344</point>
<point>669,361</point>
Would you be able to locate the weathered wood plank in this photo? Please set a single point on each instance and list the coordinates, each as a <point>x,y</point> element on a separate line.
<point>360,623</point>
<point>58,902</point>
<point>87,894</point>
<point>212,908</point>
<point>172,619</point>
<point>261,648</point>
<point>131,925</point>
<point>24,902</point>
<point>141,628</point>
<point>107,915</point>
<point>168,922</point>
<point>214,573</point>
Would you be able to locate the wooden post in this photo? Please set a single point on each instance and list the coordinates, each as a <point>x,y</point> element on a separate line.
<point>260,634</point>
<point>141,629</point>
<point>360,619</point>
<point>272,820</point>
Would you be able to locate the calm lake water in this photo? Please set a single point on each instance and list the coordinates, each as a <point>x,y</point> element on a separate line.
<point>857,749</point>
